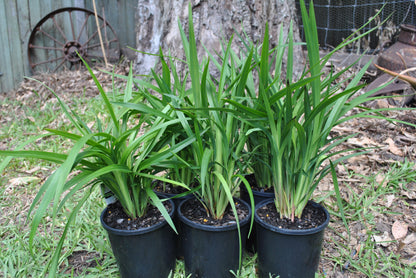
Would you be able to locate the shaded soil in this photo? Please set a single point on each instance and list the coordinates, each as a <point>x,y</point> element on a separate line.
<point>79,260</point>
<point>195,211</point>
<point>255,187</point>
<point>312,217</point>
<point>168,188</point>
<point>117,218</point>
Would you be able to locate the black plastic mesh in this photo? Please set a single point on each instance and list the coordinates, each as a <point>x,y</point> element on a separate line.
<point>338,19</point>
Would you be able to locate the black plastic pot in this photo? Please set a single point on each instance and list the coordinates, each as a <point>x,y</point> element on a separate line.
<point>258,197</point>
<point>178,224</point>
<point>212,251</point>
<point>288,253</point>
<point>147,252</point>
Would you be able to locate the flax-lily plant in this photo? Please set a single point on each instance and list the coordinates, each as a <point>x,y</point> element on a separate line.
<point>121,153</point>
<point>219,149</point>
<point>215,157</point>
<point>293,119</point>
<point>220,136</point>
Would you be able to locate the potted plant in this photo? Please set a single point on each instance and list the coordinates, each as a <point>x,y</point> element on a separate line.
<point>122,154</point>
<point>168,89</point>
<point>213,223</point>
<point>295,118</point>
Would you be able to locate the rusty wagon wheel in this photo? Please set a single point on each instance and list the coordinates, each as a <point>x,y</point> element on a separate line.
<point>60,35</point>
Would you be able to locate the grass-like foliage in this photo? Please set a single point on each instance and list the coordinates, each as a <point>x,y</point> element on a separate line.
<point>214,161</point>
<point>121,153</point>
<point>291,118</point>
<point>220,135</point>
<point>201,107</point>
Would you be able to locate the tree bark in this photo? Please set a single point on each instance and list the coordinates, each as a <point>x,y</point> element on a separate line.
<point>157,25</point>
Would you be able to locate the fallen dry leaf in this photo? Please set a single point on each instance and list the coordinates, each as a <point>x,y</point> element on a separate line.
<point>363,142</point>
<point>381,180</point>
<point>410,238</point>
<point>390,199</point>
<point>393,148</point>
<point>384,239</point>
<point>410,193</point>
<point>22,180</point>
<point>409,136</point>
<point>399,229</point>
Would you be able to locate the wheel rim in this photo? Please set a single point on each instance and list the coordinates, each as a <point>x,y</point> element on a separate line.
<point>60,36</point>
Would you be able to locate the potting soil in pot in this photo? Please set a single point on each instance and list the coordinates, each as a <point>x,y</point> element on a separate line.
<point>116,217</point>
<point>311,218</point>
<point>194,211</point>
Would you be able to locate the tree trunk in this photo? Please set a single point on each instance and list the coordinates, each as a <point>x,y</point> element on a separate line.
<point>157,25</point>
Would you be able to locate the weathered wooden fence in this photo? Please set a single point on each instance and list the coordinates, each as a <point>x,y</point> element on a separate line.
<point>19,17</point>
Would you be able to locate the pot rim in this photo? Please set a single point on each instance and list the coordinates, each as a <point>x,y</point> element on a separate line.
<point>137,231</point>
<point>289,231</point>
<point>211,228</point>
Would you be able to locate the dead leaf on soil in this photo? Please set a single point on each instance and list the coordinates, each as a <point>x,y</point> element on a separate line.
<point>399,229</point>
<point>22,180</point>
<point>393,148</point>
<point>384,239</point>
<point>410,239</point>
<point>389,200</point>
<point>408,249</point>
<point>409,136</point>
<point>381,180</point>
<point>363,142</point>
<point>410,193</point>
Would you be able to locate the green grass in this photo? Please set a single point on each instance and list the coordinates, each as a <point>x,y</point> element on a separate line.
<point>357,255</point>
<point>368,213</point>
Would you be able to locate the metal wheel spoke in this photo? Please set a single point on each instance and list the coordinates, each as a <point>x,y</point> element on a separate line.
<point>72,25</point>
<point>98,44</point>
<point>49,61</point>
<point>59,29</point>
<point>83,27</point>
<point>60,64</point>
<point>93,35</point>
<point>45,47</point>
<point>51,37</point>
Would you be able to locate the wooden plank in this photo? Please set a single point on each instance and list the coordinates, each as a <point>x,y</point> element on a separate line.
<point>121,22</point>
<point>129,24</point>
<point>14,42</point>
<point>121,16</point>
<point>48,7</point>
<point>24,28</point>
<point>36,14</point>
<point>6,80</point>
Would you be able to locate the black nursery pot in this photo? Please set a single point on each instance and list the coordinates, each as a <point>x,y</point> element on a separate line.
<point>212,251</point>
<point>178,224</point>
<point>258,196</point>
<point>288,253</point>
<point>146,252</point>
